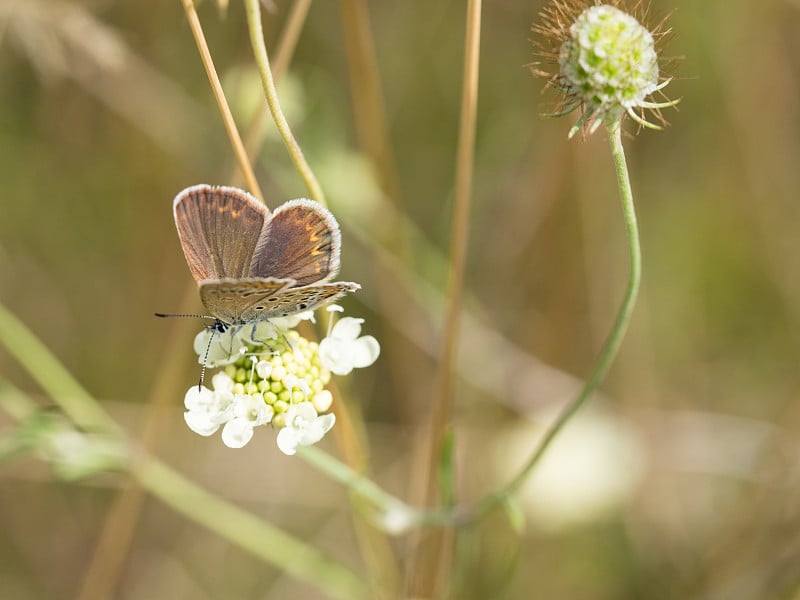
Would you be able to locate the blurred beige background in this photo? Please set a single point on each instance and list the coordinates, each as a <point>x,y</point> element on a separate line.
<point>680,482</point>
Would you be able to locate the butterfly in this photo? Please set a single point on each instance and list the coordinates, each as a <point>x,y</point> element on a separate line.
<point>251,264</point>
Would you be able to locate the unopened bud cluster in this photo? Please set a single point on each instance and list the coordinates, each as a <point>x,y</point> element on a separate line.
<point>607,63</point>
<point>610,60</point>
<point>280,375</point>
<point>278,381</point>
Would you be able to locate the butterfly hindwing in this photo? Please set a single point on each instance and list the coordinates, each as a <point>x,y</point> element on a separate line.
<point>301,241</point>
<point>237,301</point>
<point>246,300</point>
<point>308,297</point>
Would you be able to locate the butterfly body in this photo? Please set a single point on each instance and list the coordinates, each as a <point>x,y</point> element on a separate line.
<point>251,265</point>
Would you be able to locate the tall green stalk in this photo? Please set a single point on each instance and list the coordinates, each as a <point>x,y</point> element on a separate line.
<point>615,337</point>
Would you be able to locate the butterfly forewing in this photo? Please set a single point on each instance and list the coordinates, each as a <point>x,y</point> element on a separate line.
<point>220,229</point>
<point>301,241</point>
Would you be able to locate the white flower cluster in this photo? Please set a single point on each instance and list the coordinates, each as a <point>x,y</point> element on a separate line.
<point>274,376</point>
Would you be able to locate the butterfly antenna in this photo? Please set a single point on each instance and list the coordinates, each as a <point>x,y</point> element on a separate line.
<point>205,358</point>
<point>169,315</point>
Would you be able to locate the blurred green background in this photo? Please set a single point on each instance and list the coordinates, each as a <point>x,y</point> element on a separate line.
<point>681,480</point>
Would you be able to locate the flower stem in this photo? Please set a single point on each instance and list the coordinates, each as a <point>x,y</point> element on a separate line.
<point>249,532</point>
<point>614,339</point>
<point>262,61</point>
<point>222,103</point>
<point>443,390</point>
<point>362,487</point>
<point>51,375</point>
<point>287,43</point>
<point>429,568</point>
<point>369,108</point>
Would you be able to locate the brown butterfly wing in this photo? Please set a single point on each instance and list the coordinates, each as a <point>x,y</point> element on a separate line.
<point>237,301</point>
<point>293,300</point>
<point>301,241</point>
<point>220,229</point>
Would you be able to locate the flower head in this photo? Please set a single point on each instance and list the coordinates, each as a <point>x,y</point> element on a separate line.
<point>267,371</point>
<point>272,375</point>
<point>607,62</point>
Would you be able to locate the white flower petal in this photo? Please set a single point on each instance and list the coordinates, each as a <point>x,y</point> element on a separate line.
<point>207,410</point>
<point>322,400</point>
<point>334,354</point>
<point>315,430</point>
<point>343,350</point>
<point>200,422</point>
<point>222,382</point>
<point>237,432</point>
<point>287,441</point>
<point>198,398</point>
<point>327,422</point>
<point>300,413</point>
<point>267,412</point>
<point>303,427</point>
<point>366,350</point>
<point>347,328</point>
<point>201,342</point>
<point>290,322</point>
<point>252,409</point>
<point>264,369</point>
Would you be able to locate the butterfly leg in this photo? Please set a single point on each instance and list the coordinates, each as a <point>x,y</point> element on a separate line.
<point>286,340</point>
<point>234,331</point>
<point>253,335</point>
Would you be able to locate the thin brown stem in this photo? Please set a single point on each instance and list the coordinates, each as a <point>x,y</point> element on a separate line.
<point>369,109</point>
<point>433,563</point>
<point>222,102</point>
<point>443,393</point>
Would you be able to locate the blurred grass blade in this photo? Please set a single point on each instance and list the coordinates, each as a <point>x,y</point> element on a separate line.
<point>50,374</point>
<point>447,469</point>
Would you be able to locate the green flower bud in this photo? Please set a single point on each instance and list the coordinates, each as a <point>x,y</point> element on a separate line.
<point>607,63</point>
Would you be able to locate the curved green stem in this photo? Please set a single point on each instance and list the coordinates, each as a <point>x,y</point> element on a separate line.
<point>393,515</point>
<point>262,61</point>
<point>614,339</point>
<point>351,479</point>
<point>249,532</point>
